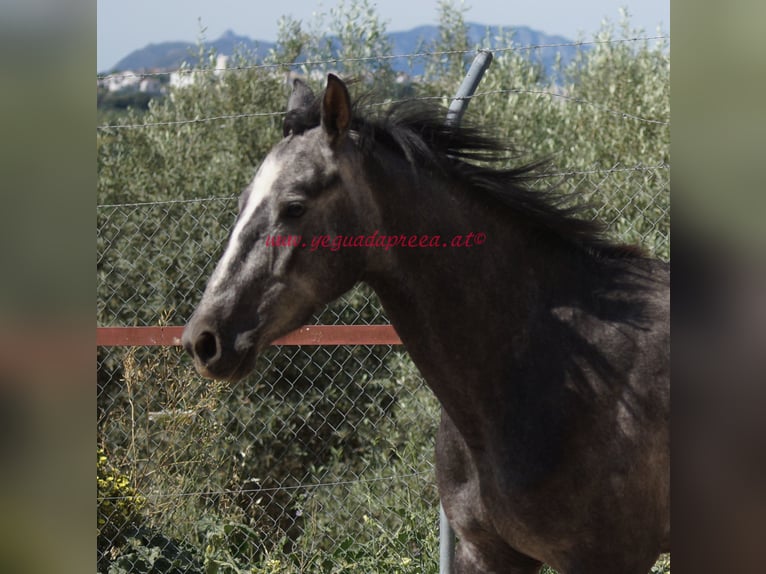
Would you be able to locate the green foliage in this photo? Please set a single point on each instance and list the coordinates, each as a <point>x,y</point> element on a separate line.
<point>606,115</point>
<point>119,505</point>
<point>148,552</point>
<point>238,488</point>
<point>350,40</point>
<point>389,517</point>
<point>662,566</point>
<point>446,69</point>
<point>387,520</point>
<point>124,100</point>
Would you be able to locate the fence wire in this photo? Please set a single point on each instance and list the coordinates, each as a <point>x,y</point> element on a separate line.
<point>410,56</point>
<point>546,93</point>
<point>276,67</point>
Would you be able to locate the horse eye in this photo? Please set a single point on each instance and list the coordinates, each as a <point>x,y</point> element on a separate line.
<point>294,209</point>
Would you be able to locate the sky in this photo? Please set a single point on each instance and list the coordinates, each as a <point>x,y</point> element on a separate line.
<point>124,26</point>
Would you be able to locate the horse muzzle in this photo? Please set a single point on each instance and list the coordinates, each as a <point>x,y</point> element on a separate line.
<point>216,355</point>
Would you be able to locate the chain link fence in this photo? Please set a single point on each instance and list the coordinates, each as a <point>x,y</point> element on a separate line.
<point>321,461</point>
<point>314,457</point>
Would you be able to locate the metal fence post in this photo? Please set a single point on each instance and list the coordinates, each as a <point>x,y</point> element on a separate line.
<point>455,113</point>
<point>468,86</point>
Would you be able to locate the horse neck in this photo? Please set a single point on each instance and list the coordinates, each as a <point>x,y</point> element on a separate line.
<point>462,313</point>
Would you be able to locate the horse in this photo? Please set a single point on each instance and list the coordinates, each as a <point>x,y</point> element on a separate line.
<point>546,344</point>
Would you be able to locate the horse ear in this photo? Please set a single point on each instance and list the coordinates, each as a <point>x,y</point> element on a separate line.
<point>300,100</point>
<point>336,108</point>
<point>301,96</point>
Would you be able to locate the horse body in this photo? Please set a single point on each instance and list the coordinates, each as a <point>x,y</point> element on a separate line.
<point>553,445</point>
<point>546,346</point>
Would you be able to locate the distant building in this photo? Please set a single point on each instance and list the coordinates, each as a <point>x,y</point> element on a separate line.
<point>221,63</point>
<point>150,86</point>
<point>121,81</point>
<point>187,77</point>
<point>182,79</point>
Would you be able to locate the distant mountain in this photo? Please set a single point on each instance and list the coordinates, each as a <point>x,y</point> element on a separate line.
<point>412,41</point>
<point>170,55</point>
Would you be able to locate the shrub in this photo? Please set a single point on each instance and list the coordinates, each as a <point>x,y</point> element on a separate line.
<point>118,509</point>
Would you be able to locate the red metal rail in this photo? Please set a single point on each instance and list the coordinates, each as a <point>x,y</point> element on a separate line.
<point>306,335</point>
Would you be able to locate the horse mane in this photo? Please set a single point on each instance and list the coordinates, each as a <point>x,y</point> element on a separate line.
<point>417,130</point>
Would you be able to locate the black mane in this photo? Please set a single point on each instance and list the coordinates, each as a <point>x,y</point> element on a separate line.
<point>417,130</point>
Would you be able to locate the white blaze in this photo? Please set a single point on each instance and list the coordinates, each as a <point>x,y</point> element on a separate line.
<point>264,180</point>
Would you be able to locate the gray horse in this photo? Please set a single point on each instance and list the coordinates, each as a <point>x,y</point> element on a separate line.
<point>546,345</point>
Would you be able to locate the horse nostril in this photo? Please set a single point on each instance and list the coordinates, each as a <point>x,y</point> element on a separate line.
<point>206,346</point>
